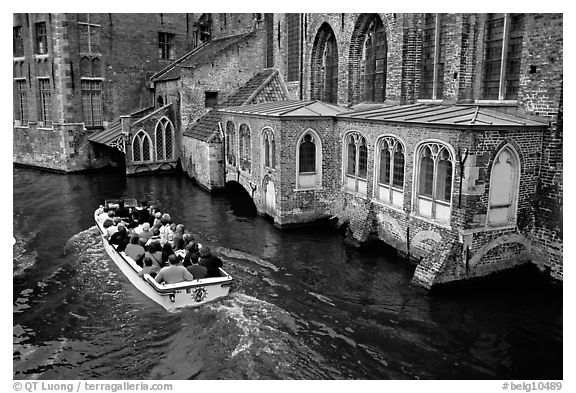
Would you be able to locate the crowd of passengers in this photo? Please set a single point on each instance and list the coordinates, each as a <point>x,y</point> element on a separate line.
<point>163,249</point>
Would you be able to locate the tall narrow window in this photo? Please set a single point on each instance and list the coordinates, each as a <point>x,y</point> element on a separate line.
<point>374,61</point>
<point>164,139</point>
<point>89,33</point>
<point>390,185</point>
<point>356,151</point>
<point>22,101</point>
<point>502,55</point>
<point>269,24</point>
<point>245,152</point>
<point>92,102</point>
<point>141,147</point>
<point>504,187</point>
<point>166,46</point>
<point>230,143</point>
<point>18,42</point>
<point>307,154</point>
<point>435,165</point>
<point>293,27</point>
<point>45,101</point>
<point>433,57</point>
<point>41,38</point>
<point>324,66</point>
<point>330,60</point>
<point>269,148</point>
<point>309,161</point>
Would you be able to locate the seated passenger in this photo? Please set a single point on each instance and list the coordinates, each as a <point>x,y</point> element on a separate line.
<point>120,238</point>
<point>165,228</point>
<point>155,254</point>
<point>211,262</point>
<point>155,236</point>
<point>167,251</point>
<point>122,211</point>
<point>112,229</point>
<point>149,268</point>
<point>178,239</point>
<point>103,216</point>
<point>157,219</point>
<point>144,213</point>
<point>145,233</point>
<point>198,271</point>
<point>134,250</point>
<point>173,274</point>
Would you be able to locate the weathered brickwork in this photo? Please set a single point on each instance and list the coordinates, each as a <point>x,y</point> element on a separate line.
<point>459,246</point>
<point>123,70</point>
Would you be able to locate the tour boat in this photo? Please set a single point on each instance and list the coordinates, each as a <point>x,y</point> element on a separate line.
<point>170,296</point>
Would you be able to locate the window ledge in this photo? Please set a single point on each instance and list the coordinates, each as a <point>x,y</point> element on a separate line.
<point>430,220</point>
<point>41,55</point>
<point>19,58</point>
<point>489,229</point>
<point>387,205</point>
<point>429,101</point>
<point>496,102</point>
<point>357,194</point>
<point>308,189</point>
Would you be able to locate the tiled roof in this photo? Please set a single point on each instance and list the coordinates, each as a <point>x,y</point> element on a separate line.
<point>197,57</point>
<point>107,136</point>
<point>265,86</point>
<point>204,127</point>
<point>442,115</point>
<point>289,109</point>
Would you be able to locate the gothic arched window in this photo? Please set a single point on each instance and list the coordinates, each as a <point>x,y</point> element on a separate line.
<point>309,161</point>
<point>141,147</point>
<point>356,162</point>
<point>164,139</point>
<point>435,165</point>
<point>390,171</point>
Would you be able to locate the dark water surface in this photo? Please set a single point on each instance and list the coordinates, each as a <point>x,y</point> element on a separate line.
<point>302,305</point>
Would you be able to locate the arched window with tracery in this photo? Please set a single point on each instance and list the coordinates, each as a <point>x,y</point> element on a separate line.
<point>230,143</point>
<point>245,160</point>
<point>309,161</point>
<point>390,171</point>
<point>435,166</point>
<point>164,139</point>
<point>269,146</point>
<point>356,163</point>
<point>325,66</point>
<point>141,147</point>
<point>504,185</point>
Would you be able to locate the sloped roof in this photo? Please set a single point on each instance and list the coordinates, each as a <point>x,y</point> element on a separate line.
<point>290,108</point>
<point>107,136</point>
<point>443,115</point>
<point>198,56</point>
<point>265,86</point>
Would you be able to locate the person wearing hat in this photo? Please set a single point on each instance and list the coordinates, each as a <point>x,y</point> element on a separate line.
<point>211,262</point>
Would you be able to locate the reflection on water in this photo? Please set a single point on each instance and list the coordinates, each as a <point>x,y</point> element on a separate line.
<point>302,305</point>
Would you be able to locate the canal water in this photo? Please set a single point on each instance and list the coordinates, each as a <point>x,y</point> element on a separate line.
<point>302,305</point>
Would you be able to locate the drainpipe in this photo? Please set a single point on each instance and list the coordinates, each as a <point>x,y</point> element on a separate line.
<point>462,162</point>
<point>302,16</point>
<point>223,136</point>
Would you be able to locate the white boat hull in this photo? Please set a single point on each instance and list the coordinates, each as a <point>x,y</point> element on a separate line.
<point>170,296</point>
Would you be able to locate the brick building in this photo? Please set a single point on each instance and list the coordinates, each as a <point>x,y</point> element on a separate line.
<point>439,134</point>
<point>74,74</point>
